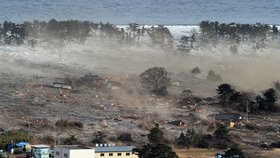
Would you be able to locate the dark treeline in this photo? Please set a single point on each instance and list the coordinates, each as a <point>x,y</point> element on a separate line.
<point>243,101</point>
<point>210,34</point>
<point>237,32</point>
<point>213,33</point>
<point>73,30</point>
<point>29,32</point>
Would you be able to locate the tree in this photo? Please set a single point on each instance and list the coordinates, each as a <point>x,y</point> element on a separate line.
<point>156,148</point>
<point>191,138</point>
<point>275,31</point>
<point>224,92</point>
<point>155,151</point>
<point>267,102</point>
<point>276,86</point>
<point>156,135</point>
<point>182,140</point>
<point>133,27</point>
<point>212,76</point>
<point>270,95</point>
<point>99,137</point>
<point>221,132</point>
<point>222,137</point>
<point>196,71</point>
<point>160,35</point>
<point>156,80</point>
<point>185,45</point>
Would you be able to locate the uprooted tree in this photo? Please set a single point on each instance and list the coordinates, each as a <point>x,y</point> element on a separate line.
<point>156,80</point>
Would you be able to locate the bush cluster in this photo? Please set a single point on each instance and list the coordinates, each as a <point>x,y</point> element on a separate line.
<point>66,124</point>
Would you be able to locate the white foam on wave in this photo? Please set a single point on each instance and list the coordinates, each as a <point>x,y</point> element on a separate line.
<point>177,31</point>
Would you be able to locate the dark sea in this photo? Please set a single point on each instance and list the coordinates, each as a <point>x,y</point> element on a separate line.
<point>169,12</point>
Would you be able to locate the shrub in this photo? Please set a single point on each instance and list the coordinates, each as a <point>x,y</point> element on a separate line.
<point>162,91</point>
<point>251,126</point>
<point>196,70</point>
<point>275,144</point>
<point>14,136</point>
<point>99,137</point>
<point>72,140</point>
<point>76,124</point>
<point>67,124</point>
<point>202,143</point>
<point>126,137</point>
<point>213,77</point>
<point>62,123</point>
<point>48,139</point>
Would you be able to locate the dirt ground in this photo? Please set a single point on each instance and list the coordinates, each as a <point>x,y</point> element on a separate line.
<point>196,153</point>
<point>274,153</point>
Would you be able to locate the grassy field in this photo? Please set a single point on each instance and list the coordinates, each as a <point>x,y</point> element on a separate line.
<point>196,153</point>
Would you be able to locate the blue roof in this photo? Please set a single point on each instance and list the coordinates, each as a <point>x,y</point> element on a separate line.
<point>114,149</point>
<point>21,144</point>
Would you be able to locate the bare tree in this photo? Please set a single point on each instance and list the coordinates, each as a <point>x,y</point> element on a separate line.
<point>276,87</point>
<point>155,79</point>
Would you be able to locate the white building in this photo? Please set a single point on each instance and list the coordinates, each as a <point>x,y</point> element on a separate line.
<point>40,151</point>
<point>73,151</point>
<point>115,152</point>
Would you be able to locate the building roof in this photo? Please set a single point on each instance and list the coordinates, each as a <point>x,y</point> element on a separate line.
<point>114,149</point>
<point>73,147</point>
<point>40,146</point>
<point>228,117</point>
<point>21,144</point>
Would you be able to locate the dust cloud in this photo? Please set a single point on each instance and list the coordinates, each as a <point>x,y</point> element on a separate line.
<point>248,70</point>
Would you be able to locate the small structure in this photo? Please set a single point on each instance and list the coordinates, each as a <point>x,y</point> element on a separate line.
<point>24,146</point>
<point>61,85</point>
<point>21,144</point>
<point>40,151</point>
<point>221,154</point>
<point>176,84</point>
<point>177,123</point>
<point>73,151</point>
<point>228,117</point>
<point>114,85</point>
<point>224,154</point>
<point>232,119</point>
<point>115,152</point>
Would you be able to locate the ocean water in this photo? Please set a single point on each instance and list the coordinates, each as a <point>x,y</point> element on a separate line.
<point>169,12</point>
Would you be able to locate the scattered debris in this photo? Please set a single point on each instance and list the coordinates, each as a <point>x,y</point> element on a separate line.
<point>187,102</point>
<point>176,84</point>
<point>61,85</point>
